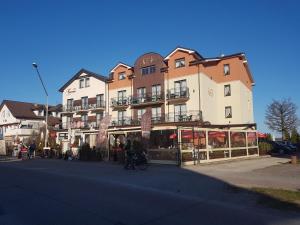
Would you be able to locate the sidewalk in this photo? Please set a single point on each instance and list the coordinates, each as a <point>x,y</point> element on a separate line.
<point>272,172</point>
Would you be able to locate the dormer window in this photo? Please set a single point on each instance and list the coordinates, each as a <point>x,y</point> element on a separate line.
<point>226,69</point>
<point>122,76</point>
<point>180,63</point>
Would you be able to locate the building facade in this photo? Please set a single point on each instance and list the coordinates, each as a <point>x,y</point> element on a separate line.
<point>84,105</point>
<point>21,120</point>
<point>182,89</point>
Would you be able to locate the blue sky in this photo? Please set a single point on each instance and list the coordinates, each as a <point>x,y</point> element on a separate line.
<point>64,36</point>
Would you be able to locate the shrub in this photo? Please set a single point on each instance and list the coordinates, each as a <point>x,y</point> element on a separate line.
<point>264,148</point>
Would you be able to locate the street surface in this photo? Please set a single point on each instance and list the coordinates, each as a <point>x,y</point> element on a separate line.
<point>54,192</point>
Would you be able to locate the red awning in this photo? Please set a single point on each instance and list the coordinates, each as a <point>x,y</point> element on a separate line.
<point>261,135</point>
<point>216,134</point>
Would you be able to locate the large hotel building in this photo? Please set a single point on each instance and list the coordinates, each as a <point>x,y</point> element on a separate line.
<point>197,104</point>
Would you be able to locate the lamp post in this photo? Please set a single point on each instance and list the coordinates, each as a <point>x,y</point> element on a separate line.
<point>39,75</point>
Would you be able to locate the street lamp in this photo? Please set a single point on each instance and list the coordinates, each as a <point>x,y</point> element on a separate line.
<point>46,133</point>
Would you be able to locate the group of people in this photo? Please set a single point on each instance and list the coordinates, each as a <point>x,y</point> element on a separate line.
<point>23,151</point>
<point>127,153</point>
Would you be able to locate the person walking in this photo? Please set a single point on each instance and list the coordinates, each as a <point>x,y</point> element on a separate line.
<point>31,151</point>
<point>129,155</point>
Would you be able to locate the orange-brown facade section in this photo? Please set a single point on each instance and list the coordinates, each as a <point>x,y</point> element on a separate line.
<point>117,83</point>
<point>213,69</point>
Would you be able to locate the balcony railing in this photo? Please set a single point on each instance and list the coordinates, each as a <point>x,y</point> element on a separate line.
<point>178,93</point>
<point>192,115</point>
<point>80,125</point>
<point>148,98</point>
<point>97,105</point>
<point>119,102</point>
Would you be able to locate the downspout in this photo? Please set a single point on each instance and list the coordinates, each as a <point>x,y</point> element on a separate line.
<point>199,94</point>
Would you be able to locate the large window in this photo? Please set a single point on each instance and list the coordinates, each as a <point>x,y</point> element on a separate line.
<point>121,117</point>
<point>141,92</point>
<point>180,111</point>
<point>140,112</point>
<point>100,100</point>
<point>69,104</point>
<point>226,68</point>
<point>180,88</point>
<point>228,112</point>
<point>163,139</point>
<point>122,76</point>
<point>99,117</point>
<point>121,95</point>
<point>84,102</point>
<point>156,90</point>
<point>180,62</point>
<point>84,120</point>
<point>148,70</point>
<point>227,90</point>
<point>156,114</point>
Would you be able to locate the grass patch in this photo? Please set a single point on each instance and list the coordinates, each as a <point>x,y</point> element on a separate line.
<point>278,198</point>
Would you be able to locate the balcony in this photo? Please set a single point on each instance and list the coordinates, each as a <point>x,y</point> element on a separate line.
<point>80,125</point>
<point>147,100</point>
<point>175,95</point>
<point>68,109</point>
<point>82,109</point>
<point>188,116</point>
<point>119,103</point>
<point>125,121</point>
<point>99,106</point>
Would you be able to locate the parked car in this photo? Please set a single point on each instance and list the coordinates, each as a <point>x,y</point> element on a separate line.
<point>281,148</point>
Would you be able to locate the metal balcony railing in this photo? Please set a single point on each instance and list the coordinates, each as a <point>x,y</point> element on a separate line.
<point>192,115</point>
<point>80,125</point>
<point>147,98</point>
<point>178,93</point>
<point>98,105</point>
<point>115,102</point>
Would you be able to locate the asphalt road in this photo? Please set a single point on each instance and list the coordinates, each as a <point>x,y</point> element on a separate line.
<point>52,192</point>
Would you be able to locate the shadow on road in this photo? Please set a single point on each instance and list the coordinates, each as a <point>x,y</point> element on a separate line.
<point>77,192</point>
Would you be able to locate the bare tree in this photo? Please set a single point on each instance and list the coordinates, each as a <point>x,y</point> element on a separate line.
<point>281,116</point>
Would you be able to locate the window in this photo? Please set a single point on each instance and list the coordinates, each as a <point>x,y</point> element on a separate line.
<point>180,88</point>
<point>140,112</point>
<point>69,104</point>
<point>68,121</point>
<point>156,113</point>
<point>122,76</point>
<point>228,112</point>
<point>121,117</point>
<point>99,117</point>
<point>84,102</point>
<point>84,82</point>
<point>180,63</point>
<point>148,70</point>
<point>180,111</point>
<point>156,90</point>
<point>141,92</point>
<point>100,100</point>
<point>81,83</point>
<point>226,69</point>
<point>121,95</point>
<point>84,119</point>
<point>227,90</point>
<point>87,82</point>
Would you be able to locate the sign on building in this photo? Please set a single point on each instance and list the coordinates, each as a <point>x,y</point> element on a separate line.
<point>146,125</point>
